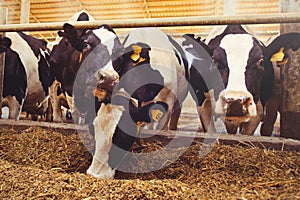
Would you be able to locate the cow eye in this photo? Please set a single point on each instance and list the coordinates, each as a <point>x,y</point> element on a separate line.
<point>260,62</point>
<point>259,65</point>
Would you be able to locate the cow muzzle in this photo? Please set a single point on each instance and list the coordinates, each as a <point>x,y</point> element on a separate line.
<point>236,106</point>
<point>106,82</point>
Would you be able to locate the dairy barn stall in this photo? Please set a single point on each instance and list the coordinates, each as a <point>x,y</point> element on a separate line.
<point>49,160</point>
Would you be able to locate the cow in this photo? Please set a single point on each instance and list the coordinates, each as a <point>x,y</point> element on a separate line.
<point>27,74</point>
<point>244,66</point>
<point>65,61</point>
<point>147,84</point>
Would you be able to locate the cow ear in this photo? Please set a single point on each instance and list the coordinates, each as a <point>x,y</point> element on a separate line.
<point>4,44</point>
<point>60,33</point>
<point>71,33</point>
<point>282,44</point>
<point>7,42</point>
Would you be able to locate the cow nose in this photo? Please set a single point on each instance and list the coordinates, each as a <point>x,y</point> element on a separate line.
<point>236,107</point>
<point>235,104</point>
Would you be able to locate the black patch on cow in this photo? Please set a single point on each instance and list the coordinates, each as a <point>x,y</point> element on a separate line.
<point>203,76</point>
<point>46,74</point>
<point>15,79</point>
<point>142,81</point>
<point>255,71</point>
<point>126,131</point>
<point>4,44</point>
<point>73,36</point>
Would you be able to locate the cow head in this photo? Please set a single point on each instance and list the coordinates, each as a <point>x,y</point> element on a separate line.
<point>245,68</point>
<point>138,78</point>
<point>106,82</point>
<point>65,59</point>
<point>97,48</point>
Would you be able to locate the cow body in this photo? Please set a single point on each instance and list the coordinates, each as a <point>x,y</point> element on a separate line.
<point>65,61</point>
<point>167,58</point>
<point>142,74</point>
<point>244,65</point>
<point>26,64</point>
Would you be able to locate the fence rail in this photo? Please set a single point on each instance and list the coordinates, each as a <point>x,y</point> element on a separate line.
<point>163,22</point>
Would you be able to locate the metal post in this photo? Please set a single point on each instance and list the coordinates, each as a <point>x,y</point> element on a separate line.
<point>25,10</point>
<point>290,80</point>
<point>3,20</point>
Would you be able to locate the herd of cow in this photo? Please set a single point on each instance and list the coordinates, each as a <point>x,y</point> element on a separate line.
<point>142,82</point>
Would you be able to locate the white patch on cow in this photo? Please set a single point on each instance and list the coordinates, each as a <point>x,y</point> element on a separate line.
<point>107,38</point>
<point>190,57</point>
<point>35,95</point>
<point>105,124</point>
<point>237,48</point>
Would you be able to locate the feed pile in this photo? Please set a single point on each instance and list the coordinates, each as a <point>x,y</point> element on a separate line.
<point>46,164</point>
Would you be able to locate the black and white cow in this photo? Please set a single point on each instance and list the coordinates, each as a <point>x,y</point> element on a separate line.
<point>65,61</point>
<point>27,74</point>
<point>149,86</point>
<point>244,65</point>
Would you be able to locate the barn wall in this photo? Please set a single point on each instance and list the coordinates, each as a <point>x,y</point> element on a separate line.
<point>62,10</point>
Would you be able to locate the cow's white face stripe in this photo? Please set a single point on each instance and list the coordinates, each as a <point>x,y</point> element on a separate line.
<point>107,38</point>
<point>237,48</point>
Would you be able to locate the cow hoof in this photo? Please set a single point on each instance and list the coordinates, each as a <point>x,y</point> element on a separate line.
<point>106,174</point>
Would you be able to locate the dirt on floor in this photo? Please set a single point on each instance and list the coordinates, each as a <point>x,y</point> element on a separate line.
<point>45,164</point>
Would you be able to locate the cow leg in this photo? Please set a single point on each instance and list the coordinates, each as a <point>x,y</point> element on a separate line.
<point>272,106</point>
<point>175,116</point>
<point>14,108</point>
<point>105,125</point>
<point>55,102</point>
<point>74,110</point>
<point>206,111</point>
<point>49,112</point>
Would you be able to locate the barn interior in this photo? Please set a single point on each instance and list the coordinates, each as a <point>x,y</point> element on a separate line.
<point>42,160</point>
<point>51,11</point>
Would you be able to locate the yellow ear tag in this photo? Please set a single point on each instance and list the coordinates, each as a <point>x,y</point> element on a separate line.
<point>278,57</point>
<point>136,57</point>
<point>80,57</point>
<point>156,115</point>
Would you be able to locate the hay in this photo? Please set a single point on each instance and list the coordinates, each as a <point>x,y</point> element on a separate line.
<point>45,164</point>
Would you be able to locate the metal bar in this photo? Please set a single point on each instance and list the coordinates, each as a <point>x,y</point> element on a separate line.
<point>3,20</point>
<point>163,22</point>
